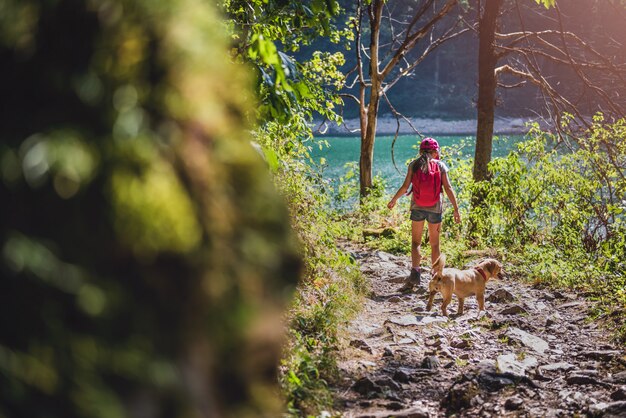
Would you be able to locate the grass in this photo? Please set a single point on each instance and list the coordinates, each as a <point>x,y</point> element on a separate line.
<point>461,362</point>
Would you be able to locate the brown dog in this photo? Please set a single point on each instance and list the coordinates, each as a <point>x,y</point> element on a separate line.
<point>462,283</point>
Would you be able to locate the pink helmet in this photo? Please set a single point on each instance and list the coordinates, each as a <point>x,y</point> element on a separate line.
<point>429,144</point>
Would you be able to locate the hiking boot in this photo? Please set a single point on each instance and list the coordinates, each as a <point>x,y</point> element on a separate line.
<point>414,277</point>
<point>412,281</point>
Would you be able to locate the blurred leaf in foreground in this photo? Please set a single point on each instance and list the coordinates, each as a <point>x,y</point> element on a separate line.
<point>145,257</point>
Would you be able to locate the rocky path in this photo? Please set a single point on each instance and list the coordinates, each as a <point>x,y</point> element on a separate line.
<point>533,354</point>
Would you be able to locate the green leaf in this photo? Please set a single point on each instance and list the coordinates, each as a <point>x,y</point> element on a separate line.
<point>294,379</point>
<point>303,90</point>
<point>272,159</point>
<point>332,7</point>
<point>547,3</point>
<point>318,6</point>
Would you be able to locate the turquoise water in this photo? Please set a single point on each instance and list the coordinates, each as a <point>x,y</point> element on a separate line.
<point>343,150</point>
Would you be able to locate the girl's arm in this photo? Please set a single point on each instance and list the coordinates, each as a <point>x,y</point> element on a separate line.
<point>402,190</point>
<point>450,193</point>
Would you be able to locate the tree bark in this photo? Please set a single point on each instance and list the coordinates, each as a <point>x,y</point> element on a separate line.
<point>367,145</point>
<point>486,104</point>
<point>487,83</point>
<point>368,135</point>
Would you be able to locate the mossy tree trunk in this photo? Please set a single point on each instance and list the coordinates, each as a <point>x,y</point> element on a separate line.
<point>145,251</point>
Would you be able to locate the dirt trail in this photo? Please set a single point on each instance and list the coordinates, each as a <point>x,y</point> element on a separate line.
<point>534,354</point>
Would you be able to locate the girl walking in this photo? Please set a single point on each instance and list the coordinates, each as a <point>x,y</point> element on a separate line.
<point>428,176</point>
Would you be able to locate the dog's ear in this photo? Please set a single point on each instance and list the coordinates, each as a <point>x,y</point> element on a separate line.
<point>494,267</point>
<point>500,272</point>
<point>438,265</point>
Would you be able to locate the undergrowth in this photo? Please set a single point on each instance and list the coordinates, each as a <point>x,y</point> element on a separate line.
<point>331,287</point>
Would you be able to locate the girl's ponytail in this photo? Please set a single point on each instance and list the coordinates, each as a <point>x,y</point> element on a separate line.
<point>422,162</point>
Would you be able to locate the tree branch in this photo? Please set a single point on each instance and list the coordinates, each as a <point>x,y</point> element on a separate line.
<point>398,115</point>
<point>616,108</point>
<point>350,96</point>
<point>444,38</point>
<point>411,40</point>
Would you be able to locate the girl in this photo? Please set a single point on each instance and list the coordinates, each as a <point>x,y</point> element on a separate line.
<point>428,175</point>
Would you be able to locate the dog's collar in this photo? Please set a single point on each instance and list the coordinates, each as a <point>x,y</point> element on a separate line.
<point>482,272</point>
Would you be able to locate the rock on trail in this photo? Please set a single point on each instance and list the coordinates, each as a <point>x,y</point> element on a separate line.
<point>533,353</point>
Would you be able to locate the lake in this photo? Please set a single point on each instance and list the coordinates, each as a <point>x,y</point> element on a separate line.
<point>344,150</point>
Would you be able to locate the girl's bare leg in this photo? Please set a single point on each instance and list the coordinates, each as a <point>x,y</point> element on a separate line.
<point>434,230</point>
<point>417,227</point>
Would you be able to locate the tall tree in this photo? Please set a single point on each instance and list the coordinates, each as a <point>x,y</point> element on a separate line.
<point>383,58</point>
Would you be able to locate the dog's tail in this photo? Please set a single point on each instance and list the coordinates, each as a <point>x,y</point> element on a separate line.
<point>438,266</point>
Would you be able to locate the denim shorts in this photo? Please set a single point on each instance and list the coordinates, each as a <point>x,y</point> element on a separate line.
<point>420,215</point>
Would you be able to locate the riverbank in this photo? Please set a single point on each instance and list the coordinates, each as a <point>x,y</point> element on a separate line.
<point>388,125</point>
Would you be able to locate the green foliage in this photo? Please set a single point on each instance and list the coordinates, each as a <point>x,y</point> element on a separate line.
<point>558,214</point>
<point>266,32</point>
<point>291,92</point>
<point>355,214</point>
<point>331,287</point>
<point>137,202</point>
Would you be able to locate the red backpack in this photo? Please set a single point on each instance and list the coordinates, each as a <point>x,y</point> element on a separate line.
<point>427,186</point>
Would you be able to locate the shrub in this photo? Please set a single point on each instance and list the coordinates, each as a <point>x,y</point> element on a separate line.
<point>331,286</point>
